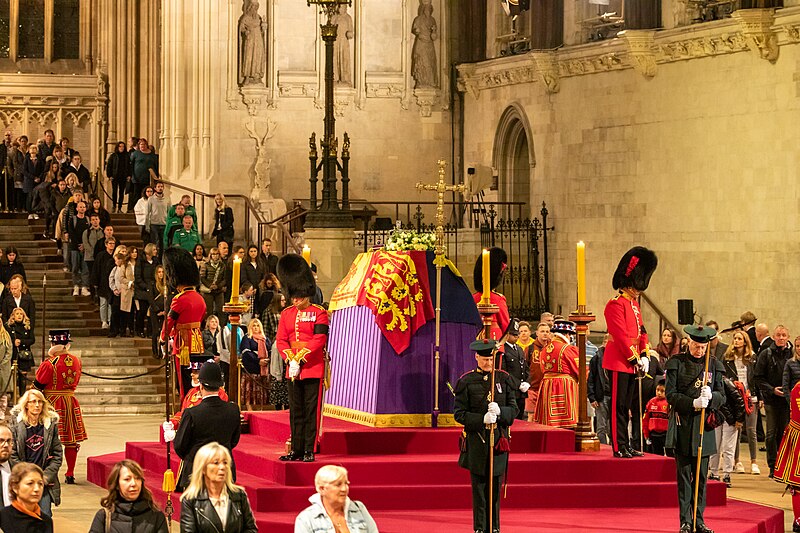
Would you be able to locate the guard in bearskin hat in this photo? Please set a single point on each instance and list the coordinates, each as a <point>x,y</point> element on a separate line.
<point>498,263</point>
<point>301,338</point>
<point>57,377</point>
<point>627,350</point>
<point>187,310</point>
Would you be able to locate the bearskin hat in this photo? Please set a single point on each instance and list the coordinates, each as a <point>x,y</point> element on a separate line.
<point>180,268</point>
<point>635,269</point>
<point>296,277</point>
<point>497,265</point>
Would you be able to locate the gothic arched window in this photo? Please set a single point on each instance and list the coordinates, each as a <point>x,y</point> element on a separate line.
<point>47,30</point>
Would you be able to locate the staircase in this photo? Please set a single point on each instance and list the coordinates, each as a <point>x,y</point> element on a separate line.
<point>101,356</point>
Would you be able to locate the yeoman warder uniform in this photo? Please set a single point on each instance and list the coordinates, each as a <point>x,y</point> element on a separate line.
<point>474,411</point>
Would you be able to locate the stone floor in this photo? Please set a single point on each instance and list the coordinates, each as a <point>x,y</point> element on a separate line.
<point>108,434</point>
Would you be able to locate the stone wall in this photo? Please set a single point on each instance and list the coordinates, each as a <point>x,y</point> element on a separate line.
<point>688,148</point>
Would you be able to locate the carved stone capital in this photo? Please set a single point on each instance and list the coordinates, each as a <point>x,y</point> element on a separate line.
<point>256,99</point>
<point>792,33</point>
<point>426,99</point>
<point>641,50</point>
<point>756,26</point>
<point>547,68</point>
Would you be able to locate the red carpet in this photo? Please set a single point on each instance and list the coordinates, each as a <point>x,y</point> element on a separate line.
<point>410,478</point>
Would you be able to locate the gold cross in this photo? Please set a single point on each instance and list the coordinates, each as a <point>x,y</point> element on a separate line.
<point>440,187</point>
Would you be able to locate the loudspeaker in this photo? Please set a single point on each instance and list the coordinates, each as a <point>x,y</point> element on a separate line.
<point>685,312</point>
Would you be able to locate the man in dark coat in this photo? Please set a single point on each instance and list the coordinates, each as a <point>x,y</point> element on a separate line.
<point>476,413</point>
<point>214,420</point>
<point>687,395</point>
<point>513,361</point>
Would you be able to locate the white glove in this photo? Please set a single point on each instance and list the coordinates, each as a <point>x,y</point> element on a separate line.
<point>169,431</point>
<point>644,364</point>
<point>494,409</point>
<point>648,442</point>
<point>294,369</point>
<point>524,386</point>
<point>705,392</point>
<point>700,403</point>
<point>489,418</point>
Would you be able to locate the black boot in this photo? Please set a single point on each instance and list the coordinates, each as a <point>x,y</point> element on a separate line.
<point>291,456</point>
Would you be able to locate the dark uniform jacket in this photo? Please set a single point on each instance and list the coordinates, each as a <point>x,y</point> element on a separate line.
<point>513,362</point>
<point>213,420</point>
<point>769,373</point>
<point>684,380</point>
<point>471,404</point>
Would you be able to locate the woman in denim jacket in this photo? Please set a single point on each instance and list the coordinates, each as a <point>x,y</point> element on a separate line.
<point>331,511</point>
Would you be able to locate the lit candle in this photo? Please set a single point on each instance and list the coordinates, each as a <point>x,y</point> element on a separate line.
<point>581,258</point>
<point>237,263</point>
<point>486,276</point>
<point>307,254</point>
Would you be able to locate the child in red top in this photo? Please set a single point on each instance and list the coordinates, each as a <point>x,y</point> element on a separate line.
<point>656,420</point>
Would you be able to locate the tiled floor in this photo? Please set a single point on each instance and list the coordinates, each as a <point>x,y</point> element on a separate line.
<point>108,434</point>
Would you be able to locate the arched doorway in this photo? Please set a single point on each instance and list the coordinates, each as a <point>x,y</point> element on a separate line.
<point>513,157</point>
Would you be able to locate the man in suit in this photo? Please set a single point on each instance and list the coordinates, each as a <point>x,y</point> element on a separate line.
<point>717,347</point>
<point>213,420</point>
<point>513,362</point>
<point>6,447</point>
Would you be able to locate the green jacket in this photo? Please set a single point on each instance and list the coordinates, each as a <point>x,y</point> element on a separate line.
<point>186,239</point>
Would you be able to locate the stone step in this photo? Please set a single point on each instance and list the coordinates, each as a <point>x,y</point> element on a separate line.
<point>145,409</point>
<point>100,388</point>
<point>118,399</point>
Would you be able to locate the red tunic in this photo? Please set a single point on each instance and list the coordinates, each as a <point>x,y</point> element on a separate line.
<point>628,337</point>
<point>656,416</point>
<point>183,325</point>
<point>499,320</point>
<point>557,404</point>
<point>787,464</point>
<point>58,377</point>
<point>301,337</point>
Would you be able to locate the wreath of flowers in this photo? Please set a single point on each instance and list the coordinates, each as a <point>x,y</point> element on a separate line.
<point>403,240</point>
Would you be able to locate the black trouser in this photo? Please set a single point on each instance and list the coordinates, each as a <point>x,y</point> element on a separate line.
<point>777,419</point>
<point>226,375</point>
<point>118,192</point>
<point>185,383</point>
<point>303,398</point>
<point>622,387</point>
<point>687,466</point>
<point>141,316</point>
<point>521,408</point>
<point>658,440</point>
<point>480,497</point>
<point>157,237</point>
<point>760,434</point>
<point>636,417</point>
<point>135,194</point>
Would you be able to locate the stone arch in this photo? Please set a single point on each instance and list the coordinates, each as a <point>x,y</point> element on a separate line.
<point>513,156</point>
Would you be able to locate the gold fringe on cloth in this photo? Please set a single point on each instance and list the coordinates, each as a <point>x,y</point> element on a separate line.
<point>387,421</point>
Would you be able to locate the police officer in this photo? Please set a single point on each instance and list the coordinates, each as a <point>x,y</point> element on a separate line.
<point>687,397</point>
<point>513,361</point>
<point>476,413</point>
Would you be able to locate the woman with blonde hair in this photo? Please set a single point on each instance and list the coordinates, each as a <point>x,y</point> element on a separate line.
<point>123,294</point>
<point>739,363</point>
<point>254,349</point>
<point>36,440</point>
<point>223,220</point>
<point>212,503</point>
<point>331,508</point>
<point>129,505</point>
<point>157,310</point>
<point>22,337</point>
<point>26,487</point>
<point>6,355</point>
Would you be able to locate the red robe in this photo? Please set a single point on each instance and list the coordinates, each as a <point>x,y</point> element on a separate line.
<point>301,337</point>
<point>557,404</point>
<point>627,336</point>
<point>787,464</point>
<point>183,325</point>
<point>501,319</point>
<point>58,377</point>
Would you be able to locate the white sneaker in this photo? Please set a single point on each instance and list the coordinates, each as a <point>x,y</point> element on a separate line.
<point>755,470</point>
<point>104,325</point>
<point>35,216</point>
<point>76,290</point>
<point>739,468</point>
<point>86,292</point>
<point>30,217</point>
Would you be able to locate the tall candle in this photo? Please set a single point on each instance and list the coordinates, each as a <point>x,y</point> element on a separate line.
<point>237,264</point>
<point>307,254</point>
<point>486,276</point>
<point>581,259</point>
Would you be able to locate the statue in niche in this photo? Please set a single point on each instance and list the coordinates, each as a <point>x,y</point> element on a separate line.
<point>423,54</point>
<point>252,45</point>
<point>342,59</point>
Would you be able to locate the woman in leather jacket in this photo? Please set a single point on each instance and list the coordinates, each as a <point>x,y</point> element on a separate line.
<point>211,502</point>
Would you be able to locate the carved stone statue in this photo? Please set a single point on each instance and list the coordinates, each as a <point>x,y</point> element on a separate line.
<point>252,47</point>
<point>423,54</point>
<point>342,58</point>
<point>262,165</point>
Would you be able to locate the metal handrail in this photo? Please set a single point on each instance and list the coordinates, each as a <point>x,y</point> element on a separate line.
<point>663,321</point>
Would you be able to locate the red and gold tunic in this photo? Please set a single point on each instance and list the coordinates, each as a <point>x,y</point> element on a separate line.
<point>192,398</point>
<point>501,319</point>
<point>183,325</point>
<point>627,336</point>
<point>301,337</point>
<point>557,404</point>
<point>787,464</point>
<point>58,377</point>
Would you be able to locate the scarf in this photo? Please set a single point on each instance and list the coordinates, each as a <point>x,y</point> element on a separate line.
<point>263,352</point>
<point>36,513</point>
